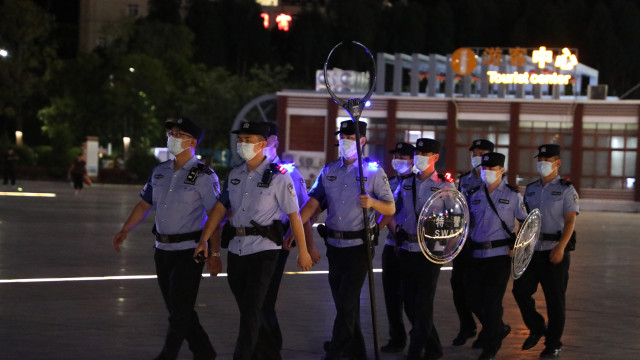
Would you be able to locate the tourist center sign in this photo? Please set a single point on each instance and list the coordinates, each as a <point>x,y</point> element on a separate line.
<point>463,62</point>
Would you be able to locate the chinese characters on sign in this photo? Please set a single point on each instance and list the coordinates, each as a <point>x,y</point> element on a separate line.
<point>542,57</point>
<point>283,20</point>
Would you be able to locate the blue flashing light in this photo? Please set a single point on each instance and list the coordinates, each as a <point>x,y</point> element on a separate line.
<point>373,165</point>
<point>367,104</point>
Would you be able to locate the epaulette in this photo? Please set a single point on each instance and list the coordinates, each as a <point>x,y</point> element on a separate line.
<point>371,164</point>
<point>285,167</point>
<point>473,191</point>
<point>204,168</point>
<point>565,182</point>
<point>533,182</point>
<point>514,188</point>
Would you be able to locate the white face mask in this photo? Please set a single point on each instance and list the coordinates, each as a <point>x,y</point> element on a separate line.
<point>401,166</point>
<point>347,148</point>
<point>476,161</point>
<point>545,168</point>
<point>421,162</point>
<point>174,145</point>
<point>245,150</point>
<point>489,176</point>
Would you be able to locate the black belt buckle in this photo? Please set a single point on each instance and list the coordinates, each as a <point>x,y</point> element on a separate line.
<point>338,235</point>
<point>486,245</point>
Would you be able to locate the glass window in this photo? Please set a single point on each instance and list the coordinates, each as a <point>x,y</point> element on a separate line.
<point>567,141</point>
<point>602,163</point>
<point>632,142</point>
<point>617,142</point>
<point>588,141</point>
<point>617,163</point>
<point>503,139</point>
<point>630,164</point>
<point>587,163</point>
<point>603,141</point>
<point>587,182</point>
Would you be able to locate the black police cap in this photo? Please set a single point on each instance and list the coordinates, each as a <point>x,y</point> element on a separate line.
<point>254,128</point>
<point>428,145</point>
<point>186,125</point>
<point>493,159</point>
<point>347,127</point>
<point>273,129</point>
<point>481,144</point>
<point>403,148</point>
<point>548,150</point>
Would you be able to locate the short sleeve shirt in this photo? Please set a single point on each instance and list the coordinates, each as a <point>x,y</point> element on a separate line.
<point>554,200</point>
<point>249,199</point>
<point>485,223</point>
<point>338,184</point>
<point>181,207</point>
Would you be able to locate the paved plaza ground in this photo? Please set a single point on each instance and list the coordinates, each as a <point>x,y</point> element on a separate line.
<point>64,291</point>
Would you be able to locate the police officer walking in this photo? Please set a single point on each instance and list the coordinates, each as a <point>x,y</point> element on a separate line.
<point>557,200</point>
<point>272,326</point>
<point>419,275</point>
<point>256,193</point>
<point>402,163</point>
<point>338,185</point>
<point>495,207</point>
<point>182,192</point>
<point>462,262</point>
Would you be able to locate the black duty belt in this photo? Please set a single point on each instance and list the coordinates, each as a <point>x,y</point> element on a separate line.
<point>550,237</point>
<point>491,244</point>
<point>170,239</point>
<point>346,235</point>
<point>247,231</point>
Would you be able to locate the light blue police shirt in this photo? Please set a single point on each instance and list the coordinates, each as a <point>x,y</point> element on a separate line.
<point>298,183</point>
<point>339,184</point>
<point>424,189</point>
<point>486,225</point>
<point>249,199</point>
<point>469,181</point>
<point>554,200</point>
<point>180,207</point>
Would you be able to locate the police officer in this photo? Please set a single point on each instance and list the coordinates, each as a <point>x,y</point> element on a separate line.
<point>461,263</point>
<point>402,163</point>
<point>557,200</point>
<point>269,308</point>
<point>495,208</point>
<point>182,192</point>
<point>256,193</point>
<point>419,275</point>
<point>338,185</point>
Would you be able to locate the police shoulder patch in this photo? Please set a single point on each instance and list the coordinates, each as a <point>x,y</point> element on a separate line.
<point>291,189</point>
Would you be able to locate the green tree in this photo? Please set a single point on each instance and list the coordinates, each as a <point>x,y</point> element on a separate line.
<point>25,33</point>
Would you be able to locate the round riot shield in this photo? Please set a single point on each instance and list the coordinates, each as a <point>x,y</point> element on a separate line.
<point>443,225</point>
<point>525,243</point>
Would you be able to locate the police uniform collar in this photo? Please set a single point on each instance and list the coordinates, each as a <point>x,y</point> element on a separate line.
<point>260,168</point>
<point>554,181</point>
<point>432,177</point>
<point>342,163</point>
<point>190,163</point>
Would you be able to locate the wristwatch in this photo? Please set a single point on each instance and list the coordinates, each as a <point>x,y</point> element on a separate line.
<point>215,254</point>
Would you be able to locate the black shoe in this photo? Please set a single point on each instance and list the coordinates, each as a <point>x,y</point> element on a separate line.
<point>531,341</point>
<point>392,347</point>
<point>550,353</point>
<point>477,344</point>
<point>346,353</point>
<point>462,337</point>
<point>432,356</point>
<point>487,356</point>
<point>506,329</point>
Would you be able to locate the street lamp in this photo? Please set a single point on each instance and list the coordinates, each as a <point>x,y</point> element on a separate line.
<point>126,141</point>
<point>4,53</point>
<point>18,137</point>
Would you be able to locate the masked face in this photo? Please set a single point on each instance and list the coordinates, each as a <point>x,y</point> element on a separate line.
<point>347,148</point>
<point>545,168</point>
<point>246,150</point>
<point>476,161</point>
<point>401,166</point>
<point>489,176</point>
<point>174,145</point>
<point>421,162</point>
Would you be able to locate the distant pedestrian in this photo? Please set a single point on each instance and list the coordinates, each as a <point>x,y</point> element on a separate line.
<point>78,173</point>
<point>10,159</point>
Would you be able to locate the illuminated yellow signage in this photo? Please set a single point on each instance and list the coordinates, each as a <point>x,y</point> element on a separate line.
<point>526,78</point>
